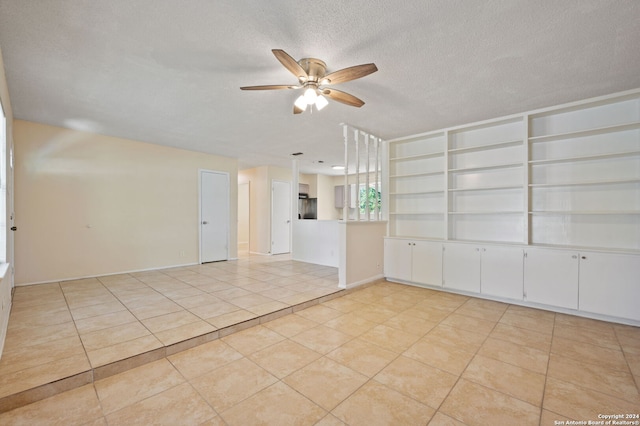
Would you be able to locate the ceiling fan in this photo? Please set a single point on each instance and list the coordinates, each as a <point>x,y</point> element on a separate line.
<point>312,77</point>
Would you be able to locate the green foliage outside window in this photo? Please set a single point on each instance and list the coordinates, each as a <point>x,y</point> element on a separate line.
<point>370,196</point>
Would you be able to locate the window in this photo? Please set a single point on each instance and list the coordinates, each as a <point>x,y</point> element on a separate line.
<point>372,197</point>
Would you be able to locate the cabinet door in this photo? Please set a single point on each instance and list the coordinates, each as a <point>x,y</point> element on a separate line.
<point>427,263</point>
<point>501,272</point>
<point>610,284</point>
<point>551,277</point>
<point>461,267</point>
<point>397,259</point>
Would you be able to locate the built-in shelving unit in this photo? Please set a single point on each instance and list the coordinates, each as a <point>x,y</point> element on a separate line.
<point>584,165</point>
<point>540,209</point>
<point>417,185</point>
<point>566,176</point>
<point>485,181</point>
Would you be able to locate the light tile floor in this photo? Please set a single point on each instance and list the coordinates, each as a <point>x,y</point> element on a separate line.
<point>64,334</point>
<point>387,354</point>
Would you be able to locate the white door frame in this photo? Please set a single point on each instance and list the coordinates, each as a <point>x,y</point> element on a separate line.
<point>200,171</point>
<point>290,218</point>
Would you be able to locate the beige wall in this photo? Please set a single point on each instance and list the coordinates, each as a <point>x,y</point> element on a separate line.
<point>88,204</point>
<point>6,282</point>
<point>327,199</point>
<point>260,179</point>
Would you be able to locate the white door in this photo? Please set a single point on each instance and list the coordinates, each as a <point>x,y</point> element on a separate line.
<point>214,216</point>
<point>609,284</point>
<point>280,217</point>
<point>501,272</point>
<point>551,277</point>
<point>397,259</point>
<point>461,268</point>
<point>427,263</point>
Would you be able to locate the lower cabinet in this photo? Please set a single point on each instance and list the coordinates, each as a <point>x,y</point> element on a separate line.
<point>461,267</point>
<point>551,277</point>
<point>490,270</point>
<point>427,263</point>
<point>397,259</point>
<point>610,284</point>
<point>501,273</point>
<point>590,282</point>
<point>415,261</point>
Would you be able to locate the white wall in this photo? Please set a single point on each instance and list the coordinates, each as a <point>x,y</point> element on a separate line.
<point>326,199</point>
<point>316,241</point>
<point>89,204</point>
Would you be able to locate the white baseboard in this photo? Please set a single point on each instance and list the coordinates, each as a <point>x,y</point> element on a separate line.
<point>362,282</point>
<point>107,274</point>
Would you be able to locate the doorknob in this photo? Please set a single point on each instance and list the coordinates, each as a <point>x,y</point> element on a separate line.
<point>204,222</point>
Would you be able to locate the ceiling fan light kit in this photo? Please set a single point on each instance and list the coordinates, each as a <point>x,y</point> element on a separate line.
<point>310,73</point>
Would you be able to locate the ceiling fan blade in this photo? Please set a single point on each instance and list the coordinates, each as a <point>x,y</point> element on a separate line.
<point>297,110</point>
<point>291,64</point>
<point>348,74</point>
<point>270,87</point>
<point>343,97</point>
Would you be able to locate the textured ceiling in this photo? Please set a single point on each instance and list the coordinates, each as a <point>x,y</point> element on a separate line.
<point>169,71</point>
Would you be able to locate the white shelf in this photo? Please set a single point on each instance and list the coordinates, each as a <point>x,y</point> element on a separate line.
<point>585,158</point>
<point>487,167</point>
<point>486,147</point>
<point>399,194</point>
<point>416,213</point>
<point>418,174</point>
<point>486,188</point>
<point>588,132</point>
<point>585,183</point>
<point>587,248</point>
<point>418,156</point>
<point>488,212</point>
<point>586,212</point>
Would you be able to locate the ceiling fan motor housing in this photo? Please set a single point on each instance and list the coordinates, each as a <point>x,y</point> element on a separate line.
<point>315,69</point>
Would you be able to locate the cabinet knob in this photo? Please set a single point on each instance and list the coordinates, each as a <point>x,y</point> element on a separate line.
<point>583,257</point>
<point>574,257</point>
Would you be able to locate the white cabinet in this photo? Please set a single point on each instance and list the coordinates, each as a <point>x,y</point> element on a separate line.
<point>610,284</point>
<point>397,259</point>
<point>560,185</point>
<point>491,270</point>
<point>551,277</point>
<point>427,263</point>
<point>351,196</point>
<point>501,272</point>
<point>462,267</point>
<point>414,261</point>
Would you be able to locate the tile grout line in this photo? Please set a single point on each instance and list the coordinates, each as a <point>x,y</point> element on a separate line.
<point>92,370</point>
